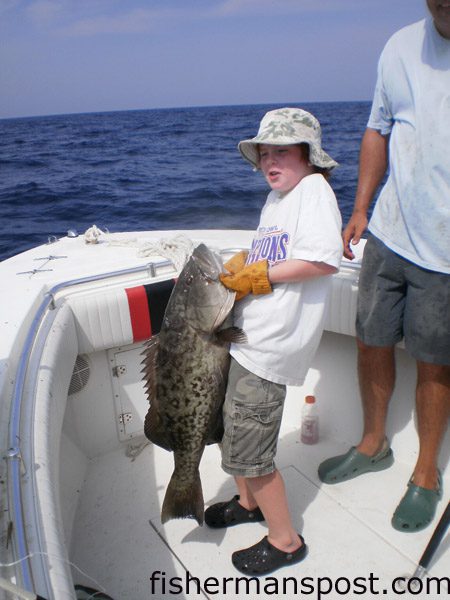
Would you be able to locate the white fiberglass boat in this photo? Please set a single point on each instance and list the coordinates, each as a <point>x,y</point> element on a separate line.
<point>81,488</point>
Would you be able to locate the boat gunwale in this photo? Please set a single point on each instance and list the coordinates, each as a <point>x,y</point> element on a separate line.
<point>13,454</point>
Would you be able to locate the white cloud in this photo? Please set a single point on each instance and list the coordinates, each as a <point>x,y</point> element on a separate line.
<point>77,19</point>
<point>257,7</point>
<point>44,12</point>
<point>82,18</point>
<point>6,5</point>
<point>91,17</point>
<point>139,20</point>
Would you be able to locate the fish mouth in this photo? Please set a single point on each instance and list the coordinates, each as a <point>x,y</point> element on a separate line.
<point>225,309</point>
<point>208,262</point>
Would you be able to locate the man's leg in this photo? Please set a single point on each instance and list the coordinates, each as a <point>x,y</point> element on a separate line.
<point>433,411</point>
<point>376,373</point>
<point>418,506</point>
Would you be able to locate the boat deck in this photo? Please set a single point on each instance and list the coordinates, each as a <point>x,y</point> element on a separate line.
<point>352,545</point>
<point>110,489</point>
<point>346,527</point>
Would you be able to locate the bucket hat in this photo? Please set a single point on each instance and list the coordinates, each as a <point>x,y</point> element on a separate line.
<point>284,127</point>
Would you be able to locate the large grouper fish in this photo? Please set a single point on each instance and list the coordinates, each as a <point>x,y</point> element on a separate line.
<point>185,372</point>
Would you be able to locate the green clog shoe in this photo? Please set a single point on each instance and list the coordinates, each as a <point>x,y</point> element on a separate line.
<point>354,463</point>
<point>417,507</point>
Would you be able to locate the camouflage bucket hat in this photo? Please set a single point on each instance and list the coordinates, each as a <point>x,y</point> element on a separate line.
<point>284,127</point>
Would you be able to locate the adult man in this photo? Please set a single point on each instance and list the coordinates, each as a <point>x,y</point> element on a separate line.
<point>404,288</point>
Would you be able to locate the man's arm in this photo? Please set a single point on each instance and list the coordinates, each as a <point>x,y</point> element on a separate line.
<point>373,162</point>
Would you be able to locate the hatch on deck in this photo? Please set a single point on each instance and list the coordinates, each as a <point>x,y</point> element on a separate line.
<point>130,399</point>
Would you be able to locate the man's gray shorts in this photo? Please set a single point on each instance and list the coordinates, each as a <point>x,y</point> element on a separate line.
<point>252,418</point>
<point>398,299</point>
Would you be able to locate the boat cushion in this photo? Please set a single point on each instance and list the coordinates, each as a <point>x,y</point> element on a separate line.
<point>342,303</point>
<point>122,316</point>
<point>147,304</point>
<point>119,316</point>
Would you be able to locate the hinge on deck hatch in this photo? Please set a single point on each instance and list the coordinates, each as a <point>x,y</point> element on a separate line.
<point>119,370</point>
<point>125,418</point>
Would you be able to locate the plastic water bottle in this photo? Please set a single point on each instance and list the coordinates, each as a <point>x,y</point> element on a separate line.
<point>310,421</point>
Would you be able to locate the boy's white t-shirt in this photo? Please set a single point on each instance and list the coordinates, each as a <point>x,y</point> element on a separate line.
<point>412,104</point>
<point>284,327</point>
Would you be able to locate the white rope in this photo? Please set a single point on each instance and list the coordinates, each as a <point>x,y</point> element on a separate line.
<point>24,593</point>
<point>133,451</point>
<point>19,592</point>
<point>177,249</point>
<point>92,234</point>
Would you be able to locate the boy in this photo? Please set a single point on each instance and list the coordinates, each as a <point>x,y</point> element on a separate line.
<point>296,248</point>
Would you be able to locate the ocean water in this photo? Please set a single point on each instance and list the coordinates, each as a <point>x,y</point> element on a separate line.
<point>149,169</point>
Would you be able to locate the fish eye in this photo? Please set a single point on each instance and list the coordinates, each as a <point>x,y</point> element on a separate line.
<point>206,275</point>
<point>189,279</point>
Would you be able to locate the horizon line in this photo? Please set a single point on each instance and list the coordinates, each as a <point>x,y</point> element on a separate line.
<point>164,108</point>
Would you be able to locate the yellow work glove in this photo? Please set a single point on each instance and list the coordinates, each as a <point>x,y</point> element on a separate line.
<point>237,262</point>
<point>252,279</point>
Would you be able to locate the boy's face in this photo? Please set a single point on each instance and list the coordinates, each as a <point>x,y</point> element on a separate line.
<point>283,166</point>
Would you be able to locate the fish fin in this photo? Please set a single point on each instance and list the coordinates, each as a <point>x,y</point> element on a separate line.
<point>216,430</point>
<point>154,428</point>
<point>231,334</point>
<point>150,351</point>
<point>183,503</point>
<point>216,435</point>
<point>150,354</point>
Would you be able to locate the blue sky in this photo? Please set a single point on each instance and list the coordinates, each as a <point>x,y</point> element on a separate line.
<point>68,56</point>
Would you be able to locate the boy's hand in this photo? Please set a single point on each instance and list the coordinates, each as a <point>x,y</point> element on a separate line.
<point>237,262</point>
<point>252,279</point>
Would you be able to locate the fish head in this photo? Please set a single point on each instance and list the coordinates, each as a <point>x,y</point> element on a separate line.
<point>199,298</point>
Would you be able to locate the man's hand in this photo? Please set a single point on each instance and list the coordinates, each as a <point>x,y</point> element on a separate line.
<point>373,162</point>
<point>353,232</point>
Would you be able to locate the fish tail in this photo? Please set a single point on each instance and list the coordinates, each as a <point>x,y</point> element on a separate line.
<point>182,502</point>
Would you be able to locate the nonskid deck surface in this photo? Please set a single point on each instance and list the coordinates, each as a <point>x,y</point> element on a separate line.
<point>119,539</point>
<point>352,545</point>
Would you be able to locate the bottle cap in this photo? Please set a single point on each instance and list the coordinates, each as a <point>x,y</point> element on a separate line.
<point>310,399</point>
